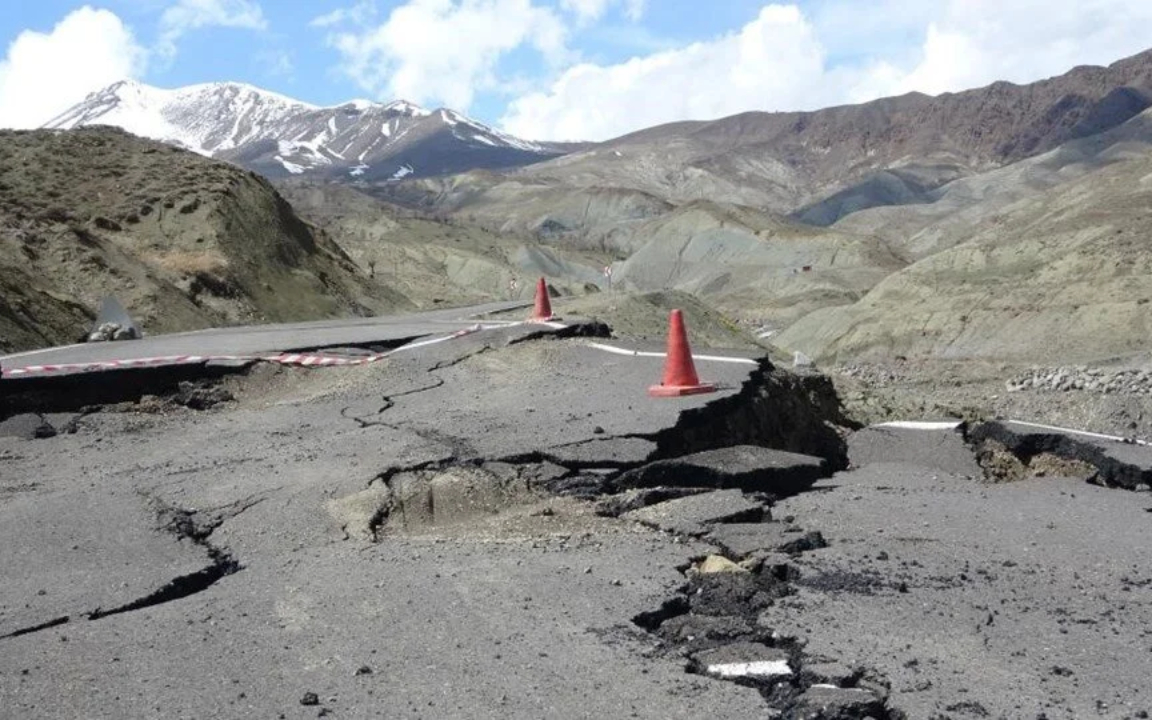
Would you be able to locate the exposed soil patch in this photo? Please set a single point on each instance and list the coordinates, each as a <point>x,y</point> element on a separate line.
<point>1012,452</point>
<point>1002,465</point>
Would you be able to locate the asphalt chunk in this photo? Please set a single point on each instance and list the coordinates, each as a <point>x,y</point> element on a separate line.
<point>741,540</point>
<point>694,515</point>
<point>745,467</point>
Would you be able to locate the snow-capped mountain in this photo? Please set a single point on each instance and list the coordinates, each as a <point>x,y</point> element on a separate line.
<point>280,137</point>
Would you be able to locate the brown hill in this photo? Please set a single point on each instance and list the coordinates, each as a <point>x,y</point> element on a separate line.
<point>1059,277</point>
<point>810,162</point>
<point>435,261</point>
<point>183,241</point>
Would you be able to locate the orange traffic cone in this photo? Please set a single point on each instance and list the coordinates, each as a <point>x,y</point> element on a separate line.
<point>679,371</point>
<point>542,311</point>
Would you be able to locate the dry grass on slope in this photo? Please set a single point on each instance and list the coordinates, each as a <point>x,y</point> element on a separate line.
<point>185,242</point>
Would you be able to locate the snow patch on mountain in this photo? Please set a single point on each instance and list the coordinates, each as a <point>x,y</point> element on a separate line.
<point>275,134</point>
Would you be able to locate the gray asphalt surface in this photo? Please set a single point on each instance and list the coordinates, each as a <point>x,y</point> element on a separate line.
<point>251,524</point>
<point>1017,600</point>
<point>245,340</point>
<point>518,616</point>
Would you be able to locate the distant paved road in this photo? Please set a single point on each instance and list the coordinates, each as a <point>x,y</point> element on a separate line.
<point>253,339</point>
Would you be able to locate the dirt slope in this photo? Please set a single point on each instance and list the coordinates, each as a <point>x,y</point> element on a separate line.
<point>948,214</point>
<point>1064,277</point>
<point>436,261</point>
<point>184,242</point>
<point>757,267</point>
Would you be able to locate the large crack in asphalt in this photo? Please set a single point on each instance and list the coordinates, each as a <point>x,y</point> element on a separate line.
<point>1009,453</point>
<point>773,408</point>
<point>185,524</point>
<point>711,623</point>
<point>456,444</point>
<point>194,386</point>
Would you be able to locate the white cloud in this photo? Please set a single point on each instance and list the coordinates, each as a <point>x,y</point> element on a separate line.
<point>43,74</point>
<point>592,10</point>
<point>359,13</point>
<point>188,15</point>
<point>976,42</point>
<point>779,61</point>
<point>444,51</point>
<point>775,61</point>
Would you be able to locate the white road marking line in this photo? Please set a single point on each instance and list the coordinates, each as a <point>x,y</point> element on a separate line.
<point>759,669</point>
<point>638,353</point>
<point>1085,433</point>
<point>919,425</point>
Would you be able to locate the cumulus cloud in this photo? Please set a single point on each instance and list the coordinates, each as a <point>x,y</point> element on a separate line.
<point>188,15</point>
<point>975,42</point>
<point>43,74</point>
<point>444,51</point>
<point>775,61</point>
<point>592,10</point>
<point>780,61</point>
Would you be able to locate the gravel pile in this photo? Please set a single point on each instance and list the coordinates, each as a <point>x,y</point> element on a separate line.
<point>873,375</point>
<point>1065,379</point>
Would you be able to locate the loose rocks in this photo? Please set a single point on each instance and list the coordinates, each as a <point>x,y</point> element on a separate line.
<point>1065,379</point>
<point>821,702</point>
<point>29,426</point>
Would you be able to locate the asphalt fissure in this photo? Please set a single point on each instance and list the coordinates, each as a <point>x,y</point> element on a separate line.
<point>387,403</point>
<point>1006,453</point>
<point>713,623</point>
<point>774,409</point>
<point>194,386</point>
<point>55,622</point>
<point>195,527</point>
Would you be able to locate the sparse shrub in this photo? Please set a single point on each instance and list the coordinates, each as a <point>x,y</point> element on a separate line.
<point>210,262</point>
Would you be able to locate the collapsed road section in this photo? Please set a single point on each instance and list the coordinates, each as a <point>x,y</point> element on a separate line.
<point>508,525</point>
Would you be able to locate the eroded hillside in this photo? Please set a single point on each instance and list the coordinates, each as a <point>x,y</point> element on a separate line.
<point>1064,276</point>
<point>433,260</point>
<point>184,242</point>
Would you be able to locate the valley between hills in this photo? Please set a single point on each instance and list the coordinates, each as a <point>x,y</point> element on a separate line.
<point>344,473</point>
<point>984,232</point>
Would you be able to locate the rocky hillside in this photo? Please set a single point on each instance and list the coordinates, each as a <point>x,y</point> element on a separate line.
<point>756,267</point>
<point>1062,275</point>
<point>183,241</point>
<point>825,164</point>
<point>434,261</point>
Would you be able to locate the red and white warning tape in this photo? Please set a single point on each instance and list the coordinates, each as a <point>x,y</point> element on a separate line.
<point>301,359</point>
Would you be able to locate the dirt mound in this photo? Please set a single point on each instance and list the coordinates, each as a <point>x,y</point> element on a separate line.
<point>184,242</point>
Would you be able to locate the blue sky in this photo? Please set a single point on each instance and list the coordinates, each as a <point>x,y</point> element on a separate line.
<point>557,69</point>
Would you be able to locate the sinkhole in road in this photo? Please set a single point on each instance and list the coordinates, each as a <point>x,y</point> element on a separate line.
<point>418,500</point>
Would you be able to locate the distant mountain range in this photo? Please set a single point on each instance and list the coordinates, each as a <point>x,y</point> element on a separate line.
<point>281,137</point>
<point>1003,222</point>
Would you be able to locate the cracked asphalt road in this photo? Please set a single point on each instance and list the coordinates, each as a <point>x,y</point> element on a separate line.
<point>501,620</point>
<point>235,544</point>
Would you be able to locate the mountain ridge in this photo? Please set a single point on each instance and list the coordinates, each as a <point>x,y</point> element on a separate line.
<point>279,136</point>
